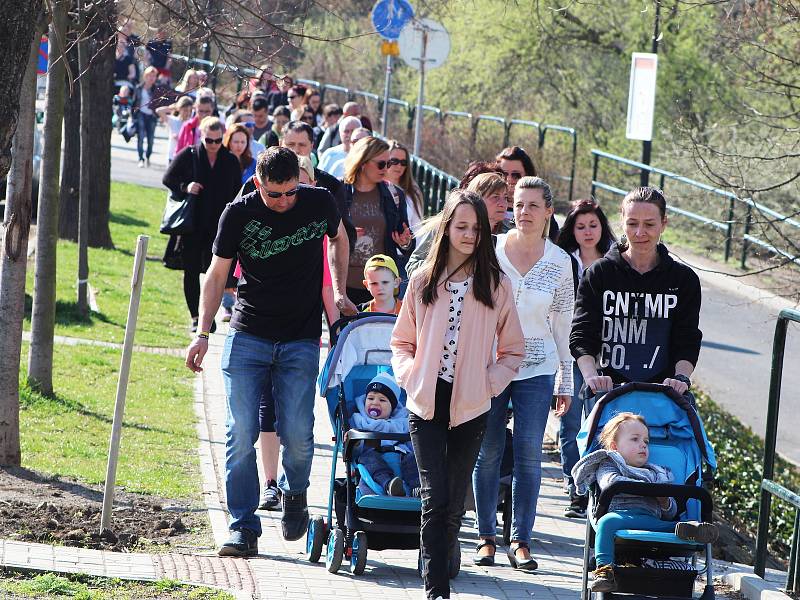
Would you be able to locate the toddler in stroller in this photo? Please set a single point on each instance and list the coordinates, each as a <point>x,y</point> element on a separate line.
<point>378,410</point>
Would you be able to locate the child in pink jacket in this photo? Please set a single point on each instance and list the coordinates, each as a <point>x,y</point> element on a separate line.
<point>456,307</point>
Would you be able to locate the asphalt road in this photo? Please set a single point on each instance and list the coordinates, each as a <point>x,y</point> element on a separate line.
<point>738,323</point>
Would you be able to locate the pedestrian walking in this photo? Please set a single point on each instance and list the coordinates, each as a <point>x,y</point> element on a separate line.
<point>457,342</point>
<point>146,118</point>
<point>275,232</point>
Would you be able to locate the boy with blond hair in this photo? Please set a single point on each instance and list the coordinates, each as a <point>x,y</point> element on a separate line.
<point>382,280</point>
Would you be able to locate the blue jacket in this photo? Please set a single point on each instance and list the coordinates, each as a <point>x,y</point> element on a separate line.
<point>396,423</point>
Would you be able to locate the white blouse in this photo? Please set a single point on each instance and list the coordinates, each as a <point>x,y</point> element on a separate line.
<point>545,298</point>
<point>447,362</point>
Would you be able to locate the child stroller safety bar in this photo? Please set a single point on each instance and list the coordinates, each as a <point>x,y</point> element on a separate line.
<point>639,488</point>
<point>354,436</point>
<point>634,386</point>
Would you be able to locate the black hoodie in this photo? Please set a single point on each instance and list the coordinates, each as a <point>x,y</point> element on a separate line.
<point>637,326</point>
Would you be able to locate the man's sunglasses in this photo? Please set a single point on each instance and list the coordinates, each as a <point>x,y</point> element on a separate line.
<point>393,162</point>
<point>276,195</point>
<point>213,140</point>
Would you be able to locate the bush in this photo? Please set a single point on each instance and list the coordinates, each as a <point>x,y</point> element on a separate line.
<point>740,456</point>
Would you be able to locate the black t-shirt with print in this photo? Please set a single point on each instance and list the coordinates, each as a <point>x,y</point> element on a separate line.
<point>280,289</point>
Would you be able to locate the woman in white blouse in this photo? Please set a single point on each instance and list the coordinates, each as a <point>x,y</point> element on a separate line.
<point>541,277</point>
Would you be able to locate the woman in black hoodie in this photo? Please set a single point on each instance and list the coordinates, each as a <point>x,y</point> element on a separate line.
<point>637,310</point>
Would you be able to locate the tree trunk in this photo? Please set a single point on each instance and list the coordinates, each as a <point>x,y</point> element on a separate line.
<point>16,28</point>
<point>100,75</point>
<point>40,358</point>
<point>13,258</point>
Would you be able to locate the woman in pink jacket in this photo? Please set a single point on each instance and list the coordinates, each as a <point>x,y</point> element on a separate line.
<point>456,306</point>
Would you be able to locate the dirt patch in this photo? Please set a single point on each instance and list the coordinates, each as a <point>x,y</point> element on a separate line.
<point>38,508</point>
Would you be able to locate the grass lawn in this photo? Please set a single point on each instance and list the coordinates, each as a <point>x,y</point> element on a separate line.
<point>68,434</point>
<point>163,318</point>
<point>82,587</point>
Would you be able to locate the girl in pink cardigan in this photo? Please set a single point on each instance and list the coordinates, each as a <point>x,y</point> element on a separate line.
<point>456,306</point>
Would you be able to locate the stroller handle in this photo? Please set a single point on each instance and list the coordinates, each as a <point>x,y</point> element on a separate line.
<point>639,488</point>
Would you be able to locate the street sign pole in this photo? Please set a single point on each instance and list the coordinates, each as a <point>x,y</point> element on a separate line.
<point>421,95</point>
<point>386,91</point>
<point>647,145</point>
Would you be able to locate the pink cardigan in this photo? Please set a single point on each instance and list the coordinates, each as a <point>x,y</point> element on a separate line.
<point>418,339</point>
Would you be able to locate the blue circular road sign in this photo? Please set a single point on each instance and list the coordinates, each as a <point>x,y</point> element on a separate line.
<point>390,16</point>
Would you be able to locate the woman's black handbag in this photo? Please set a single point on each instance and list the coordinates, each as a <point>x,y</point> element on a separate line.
<point>173,255</point>
<point>179,213</point>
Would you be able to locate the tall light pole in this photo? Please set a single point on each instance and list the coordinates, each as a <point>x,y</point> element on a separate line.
<point>647,145</point>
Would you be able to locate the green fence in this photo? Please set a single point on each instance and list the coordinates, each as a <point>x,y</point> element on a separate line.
<point>769,487</point>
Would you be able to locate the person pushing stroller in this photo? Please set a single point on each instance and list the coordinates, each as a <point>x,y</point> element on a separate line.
<point>379,410</point>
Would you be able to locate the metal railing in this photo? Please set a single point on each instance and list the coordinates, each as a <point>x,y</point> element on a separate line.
<point>769,487</point>
<point>726,226</point>
<point>434,184</point>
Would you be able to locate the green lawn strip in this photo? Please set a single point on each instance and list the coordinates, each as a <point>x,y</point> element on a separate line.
<point>68,434</point>
<point>737,490</point>
<point>84,587</point>
<point>163,318</point>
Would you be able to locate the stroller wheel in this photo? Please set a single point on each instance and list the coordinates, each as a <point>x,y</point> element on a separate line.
<point>315,538</point>
<point>335,553</point>
<point>358,558</point>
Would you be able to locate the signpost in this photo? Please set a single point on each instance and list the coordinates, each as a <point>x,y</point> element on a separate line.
<point>424,44</point>
<point>389,17</point>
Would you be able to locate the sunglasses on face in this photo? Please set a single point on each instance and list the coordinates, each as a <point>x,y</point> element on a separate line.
<point>213,140</point>
<point>291,97</point>
<point>276,195</point>
<point>381,164</point>
<point>393,162</point>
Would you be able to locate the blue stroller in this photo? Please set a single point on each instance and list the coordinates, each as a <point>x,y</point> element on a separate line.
<point>654,564</point>
<point>359,351</point>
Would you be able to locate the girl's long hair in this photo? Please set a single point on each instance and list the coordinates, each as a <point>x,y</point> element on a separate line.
<point>246,158</point>
<point>482,264</point>
<point>566,235</point>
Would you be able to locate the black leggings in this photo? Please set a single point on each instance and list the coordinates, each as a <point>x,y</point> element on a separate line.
<point>191,291</point>
<point>446,458</point>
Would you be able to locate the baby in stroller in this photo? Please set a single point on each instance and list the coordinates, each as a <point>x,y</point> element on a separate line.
<point>624,457</point>
<point>378,410</point>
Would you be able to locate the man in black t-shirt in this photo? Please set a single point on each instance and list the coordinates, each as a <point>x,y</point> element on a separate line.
<point>277,234</point>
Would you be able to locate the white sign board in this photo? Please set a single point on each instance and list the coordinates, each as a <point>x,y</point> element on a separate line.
<point>436,45</point>
<point>642,96</point>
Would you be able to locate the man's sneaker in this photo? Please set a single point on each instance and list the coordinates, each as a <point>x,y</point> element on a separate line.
<point>604,580</point>
<point>242,542</point>
<point>294,521</point>
<point>695,531</point>
<point>577,506</point>
<point>395,487</point>
<point>270,496</point>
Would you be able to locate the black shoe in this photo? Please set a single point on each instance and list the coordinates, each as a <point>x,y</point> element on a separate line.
<point>523,564</point>
<point>577,506</point>
<point>242,542</point>
<point>270,496</point>
<point>294,521</point>
<point>484,560</point>
<point>395,487</point>
<point>454,560</point>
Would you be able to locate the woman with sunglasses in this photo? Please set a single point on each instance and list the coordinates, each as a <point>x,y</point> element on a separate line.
<point>377,210</point>
<point>212,174</point>
<point>399,173</point>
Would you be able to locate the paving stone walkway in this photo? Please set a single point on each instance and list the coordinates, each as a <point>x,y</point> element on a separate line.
<point>73,341</point>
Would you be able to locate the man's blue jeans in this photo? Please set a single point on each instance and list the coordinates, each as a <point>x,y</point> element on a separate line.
<point>249,364</point>
<point>530,400</point>
<point>610,523</point>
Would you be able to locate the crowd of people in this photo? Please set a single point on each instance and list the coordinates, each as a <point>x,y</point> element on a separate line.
<point>302,214</point>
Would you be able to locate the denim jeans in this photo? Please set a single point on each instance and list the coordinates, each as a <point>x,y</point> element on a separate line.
<point>382,474</point>
<point>570,426</point>
<point>610,523</point>
<point>445,458</point>
<point>145,126</point>
<point>530,399</point>
<point>249,365</point>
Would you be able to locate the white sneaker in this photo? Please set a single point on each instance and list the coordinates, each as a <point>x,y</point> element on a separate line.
<point>141,164</point>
